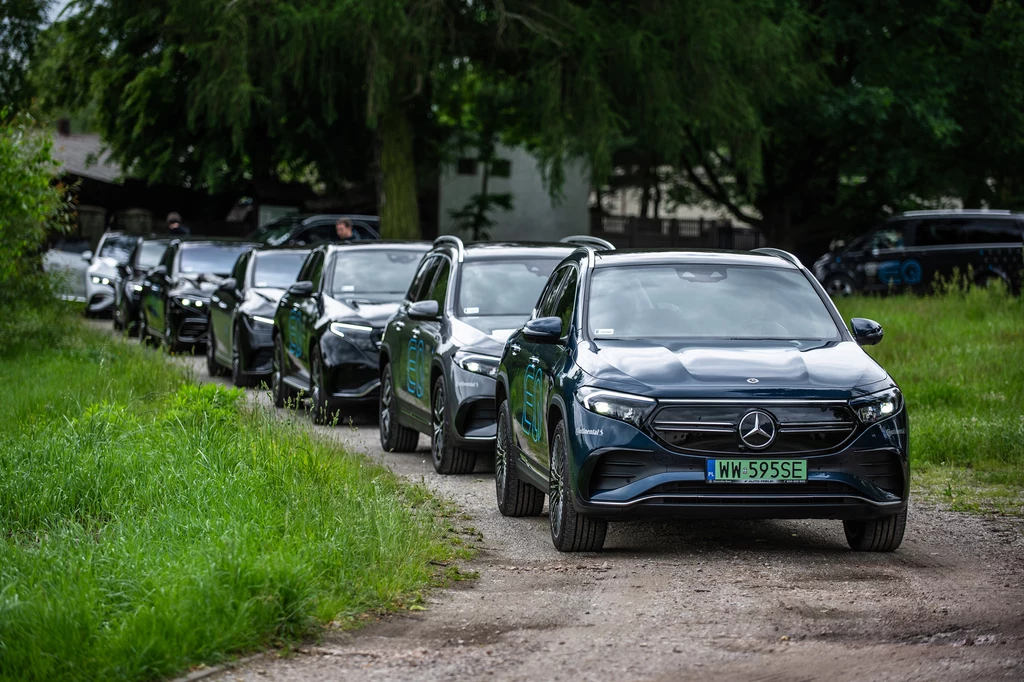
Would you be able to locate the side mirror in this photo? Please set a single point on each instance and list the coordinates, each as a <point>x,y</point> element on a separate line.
<point>87,255</point>
<point>304,288</point>
<point>544,330</point>
<point>231,284</point>
<point>424,310</point>
<point>866,332</point>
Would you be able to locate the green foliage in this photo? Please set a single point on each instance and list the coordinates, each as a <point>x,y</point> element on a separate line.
<point>148,524</point>
<point>31,206</point>
<point>959,358</point>
<point>20,22</point>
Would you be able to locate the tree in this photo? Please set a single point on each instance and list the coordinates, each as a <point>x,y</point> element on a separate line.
<point>20,23</point>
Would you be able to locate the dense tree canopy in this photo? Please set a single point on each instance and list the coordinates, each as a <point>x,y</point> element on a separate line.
<point>20,23</point>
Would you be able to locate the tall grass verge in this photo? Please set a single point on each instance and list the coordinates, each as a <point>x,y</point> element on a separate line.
<point>958,355</point>
<point>148,524</point>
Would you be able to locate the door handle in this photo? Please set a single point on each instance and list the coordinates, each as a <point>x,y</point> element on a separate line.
<point>534,359</point>
<point>416,331</point>
<point>399,325</point>
<point>514,348</point>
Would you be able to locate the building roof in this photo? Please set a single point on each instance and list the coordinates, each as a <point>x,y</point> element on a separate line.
<point>83,155</point>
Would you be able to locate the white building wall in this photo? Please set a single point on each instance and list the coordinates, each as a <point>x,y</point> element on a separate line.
<point>534,215</point>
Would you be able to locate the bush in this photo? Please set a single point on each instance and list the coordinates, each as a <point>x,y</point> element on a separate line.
<point>31,206</point>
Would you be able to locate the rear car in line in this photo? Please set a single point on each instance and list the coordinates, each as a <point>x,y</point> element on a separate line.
<point>145,255</point>
<point>697,385</point>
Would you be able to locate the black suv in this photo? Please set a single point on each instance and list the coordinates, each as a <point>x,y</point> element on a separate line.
<point>175,296</point>
<point>242,313</point>
<point>440,350</point>
<point>910,250</point>
<point>328,325</point>
<point>697,384</point>
<point>311,230</point>
<point>145,255</point>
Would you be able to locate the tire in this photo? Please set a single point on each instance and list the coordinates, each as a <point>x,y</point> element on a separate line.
<point>570,531</point>
<point>213,368</point>
<point>322,410</point>
<point>393,436</point>
<point>238,376</point>
<point>448,459</point>
<point>515,497</point>
<point>878,535</point>
<point>840,286</point>
<point>280,391</point>
<point>145,337</point>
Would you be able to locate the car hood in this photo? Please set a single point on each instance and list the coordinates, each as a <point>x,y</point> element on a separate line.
<point>103,267</point>
<point>761,369</point>
<point>262,300</point>
<point>202,285</point>
<point>373,313</point>
<point>486,334</point>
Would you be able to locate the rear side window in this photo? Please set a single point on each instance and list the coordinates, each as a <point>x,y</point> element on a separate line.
<point>548,297</point>
<point>424,276</point>
<point>993,232</point>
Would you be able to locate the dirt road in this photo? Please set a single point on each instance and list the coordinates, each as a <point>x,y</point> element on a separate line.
<point>768,600</point>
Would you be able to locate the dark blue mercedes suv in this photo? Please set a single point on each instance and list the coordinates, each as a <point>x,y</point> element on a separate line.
<point>697,384</point>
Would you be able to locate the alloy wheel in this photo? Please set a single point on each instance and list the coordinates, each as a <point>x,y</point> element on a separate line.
<point>839,287</point>
<point>501,456</point>
<point>556,485</point>
<point>385,405</point>
<point>437,442</point>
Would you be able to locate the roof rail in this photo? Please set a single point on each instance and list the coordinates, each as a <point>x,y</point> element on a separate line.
<point>779,253</point>
<point>587,240</point>
<point>454,241</point>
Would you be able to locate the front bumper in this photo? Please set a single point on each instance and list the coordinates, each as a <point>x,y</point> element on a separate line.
<point>351,370</point>
<point>620,471</point>
<point>256,348</point>
<point>475,420</point>
<point>187,327</point>
<point>99,298</point>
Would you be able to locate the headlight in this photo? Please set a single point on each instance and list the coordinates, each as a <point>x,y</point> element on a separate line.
<point>477,364</point>
<point>190,302</point>
<point>633,409</point>
<point>100,280</point>
<point>342,328</point>
<point>877,406</point>
<point>263,320</point>
<point>137,287</point>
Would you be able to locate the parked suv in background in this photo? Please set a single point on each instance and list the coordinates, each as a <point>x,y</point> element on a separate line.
<point>145,255</point>
<point>302,230</point>
<point>328,325</point>
<point>101,275</point>
<point>697,384</point>
<point>910,250</point>
<point>242,311</point>
<point>440,351</point>
<point>175,296</point>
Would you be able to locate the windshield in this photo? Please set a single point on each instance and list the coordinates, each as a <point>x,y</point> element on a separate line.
<point>150,254</point>
<point>278,270</point>
<point>503,287</point>
<point>216,259</point>
<point>706,301</point>
<point>118,248</point>
<point>374,273</point>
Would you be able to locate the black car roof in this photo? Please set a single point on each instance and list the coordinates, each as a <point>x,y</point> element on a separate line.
<point>710,256</point>
<point>961,213</point>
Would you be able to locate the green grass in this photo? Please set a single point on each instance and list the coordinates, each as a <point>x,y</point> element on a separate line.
<point>148,524</point>
<point>959,358</point>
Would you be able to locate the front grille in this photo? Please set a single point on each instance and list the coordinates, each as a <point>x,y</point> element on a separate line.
<point>754,494</point>
<point>192,330</point>
<point>618,468</point>
<point>480,420</point>
<point>803,428</point>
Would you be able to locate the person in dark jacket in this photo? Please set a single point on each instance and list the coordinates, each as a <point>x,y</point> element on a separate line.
<point>175,227</point>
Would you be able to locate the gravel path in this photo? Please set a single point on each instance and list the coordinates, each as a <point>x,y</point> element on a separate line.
<point>753,600</point>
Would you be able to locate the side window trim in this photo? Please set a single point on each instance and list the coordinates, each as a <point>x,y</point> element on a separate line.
<point>419,285</point>
<point>571,270</point>
<point>444,260</point>
<point>550,291</point>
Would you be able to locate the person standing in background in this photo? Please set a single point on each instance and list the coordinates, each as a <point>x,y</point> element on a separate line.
<point>175,227</point>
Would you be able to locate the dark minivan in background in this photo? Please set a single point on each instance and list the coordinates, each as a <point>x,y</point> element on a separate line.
<point>908,251</point>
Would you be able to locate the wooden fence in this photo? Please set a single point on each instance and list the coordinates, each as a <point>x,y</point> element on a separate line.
<point>631,232</point>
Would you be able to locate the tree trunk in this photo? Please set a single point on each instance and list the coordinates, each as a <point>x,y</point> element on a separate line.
<point>399,212</point>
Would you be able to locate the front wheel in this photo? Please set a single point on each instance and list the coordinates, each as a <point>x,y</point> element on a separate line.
<point>515,497</point>
<point>448,459</point>
<point>393,436</point>
<point>213,368</point>
<point>570,531</point>
<point>238,376</point>
<point>320,397</point>
<point>278,389</point>
<point>840,286</point>
<point>878,535</point>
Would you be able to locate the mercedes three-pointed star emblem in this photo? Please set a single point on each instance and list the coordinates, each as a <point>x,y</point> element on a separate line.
<point>757,429</point>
